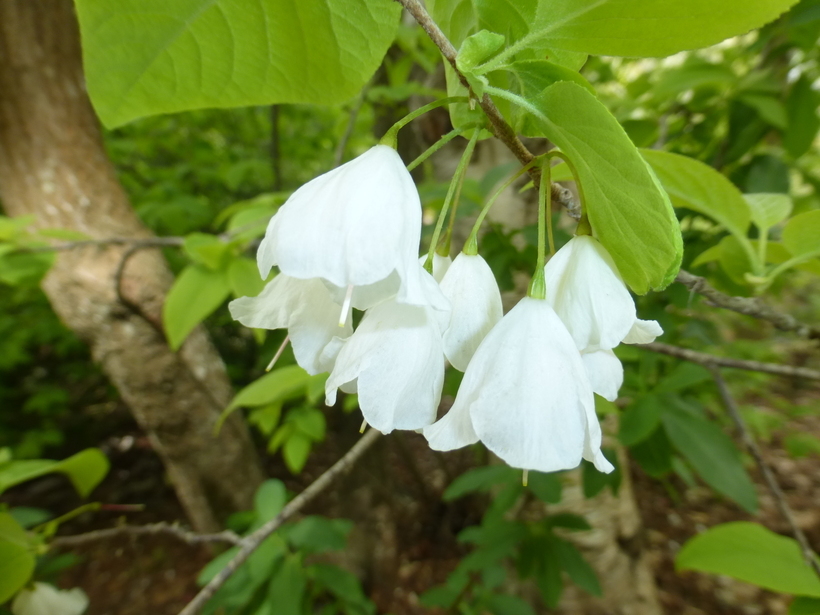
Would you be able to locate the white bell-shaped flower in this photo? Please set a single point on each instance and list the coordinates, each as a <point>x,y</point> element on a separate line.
<point>588,294</point>
<point>526,396</point>
<point>357,227</point>
<point>470,286</point>
<point>395,362</point>
<point>45,599</point>
<point>440,264</point>
<point>306,309</point>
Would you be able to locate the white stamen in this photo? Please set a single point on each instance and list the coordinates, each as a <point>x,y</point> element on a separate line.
<point>346,305</point>
<point>278,353</point>
<point>363,427</point>
<point>525,477</point>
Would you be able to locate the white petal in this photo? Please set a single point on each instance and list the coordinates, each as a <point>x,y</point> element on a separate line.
<point>605,372</point>
<point>586,291</point>
<point>45,599</point>
<point>440,265</point>
<point>356,224</point>
<point>592,440</point>
<point>643,332</point>
<point>526,389</point>
<point>454,430</point>
<point>396,357</point>
<point>473,293</point>
<point>305,308</point>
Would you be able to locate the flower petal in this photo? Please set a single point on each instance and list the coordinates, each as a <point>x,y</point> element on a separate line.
<point>354,225</point>
<point>605,372</point>
<point>643,332</point>
<point>305,308</point>
<point>592,440</point>
<point>45,599</point>
<point>396,358</point>
<point>588,294</point>
<point>454,430</point>
<point>440,265</point>
<point>476,302</point>
<point>526,388</point>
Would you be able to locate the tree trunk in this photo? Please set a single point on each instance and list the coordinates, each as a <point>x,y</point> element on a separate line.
<point>53,165</point>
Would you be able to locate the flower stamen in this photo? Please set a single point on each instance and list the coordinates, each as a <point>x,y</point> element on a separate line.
<point>525,477</point>
<point>346,305</point>
<point>363,427</point>
<point>278,353</point>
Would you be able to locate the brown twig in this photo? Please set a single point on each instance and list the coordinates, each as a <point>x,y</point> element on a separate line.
<point>746,305</point>
<point>785,510</point>
<point>709,360</point>
<point>250,543</point>
<point>498,125</point>
<point>154,529</point>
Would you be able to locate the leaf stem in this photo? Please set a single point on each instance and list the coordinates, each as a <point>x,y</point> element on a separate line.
<point>471,245</point>
<point>391,136</point>
<point>455,186</point>
<point>444,140</point>
<point>538,288</point>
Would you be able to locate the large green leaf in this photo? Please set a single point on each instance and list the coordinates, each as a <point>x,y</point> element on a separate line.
<point>803,119</point>
<point>196,293</point>
<point>801,235</point>
<point>768,209</point>
<point>85,470</point>
<point>275,387</point>
<point>751,553</point>
<point>16,557</point>
<point>712,453</point>
<point>144,57</point>
<point>699,187</point>
<point>629,211</point>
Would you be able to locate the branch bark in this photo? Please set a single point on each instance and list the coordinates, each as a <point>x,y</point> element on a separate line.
<point>779,497</point>
<point>746,305</point>
<point>155,529</point>
<point>710,360</point>
<point>250,543</point>
<point>498,125</point>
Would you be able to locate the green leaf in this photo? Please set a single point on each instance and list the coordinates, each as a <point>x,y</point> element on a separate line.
<point>310,422</point>
<point>801,235</point>
<point>577,567</point>
<point>768,108</point>
<point>768,209</point>
<point>711,453</point>
<point>546,487</point>
<point>207,250</point>
<point>270,499</point>
<point>801,444</point>
<point>654,454</point>
<point>734,259</point>
<point>296,451</point>
<point>319,534</point>
<point>144,57</point>
<point>699,187</point>
<point>85,470</point>
<point>342,584</point>
<point>684,376</point>
<point>480,479</point>
<point>804,606</point>
<point>244,279</point>
<point>196,293</point>
<point>16,557</point>
<point>629,212</point>
<point>280,385</point>
<point>477,48</point>
<point>594,481</point>
<point>568,521</point>
<point>639,420</point>
<point>751,553</point>
<point>804,122</point>
<point>504,604</point>
<point>287,589</point>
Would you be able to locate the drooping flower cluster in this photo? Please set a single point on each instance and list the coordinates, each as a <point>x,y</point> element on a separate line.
<point>350,239</point>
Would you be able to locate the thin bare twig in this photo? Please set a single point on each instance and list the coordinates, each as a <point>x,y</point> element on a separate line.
<point>339,156</point>
<point>785,510</point>
<point>250,543</point>
<point>746,305</point>
<point>154,529</point>
<point>499,127</point>
<point>710,360</point>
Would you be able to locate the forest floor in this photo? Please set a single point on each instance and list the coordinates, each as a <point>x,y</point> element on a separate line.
<point>394,494</point>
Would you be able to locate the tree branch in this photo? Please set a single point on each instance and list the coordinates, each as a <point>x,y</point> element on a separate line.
<point>499,127</point>
<point>746,305</point>
<point>250,543</point>
<point>709,360</point>
<point>155,529</point>
<point>765,470</point>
